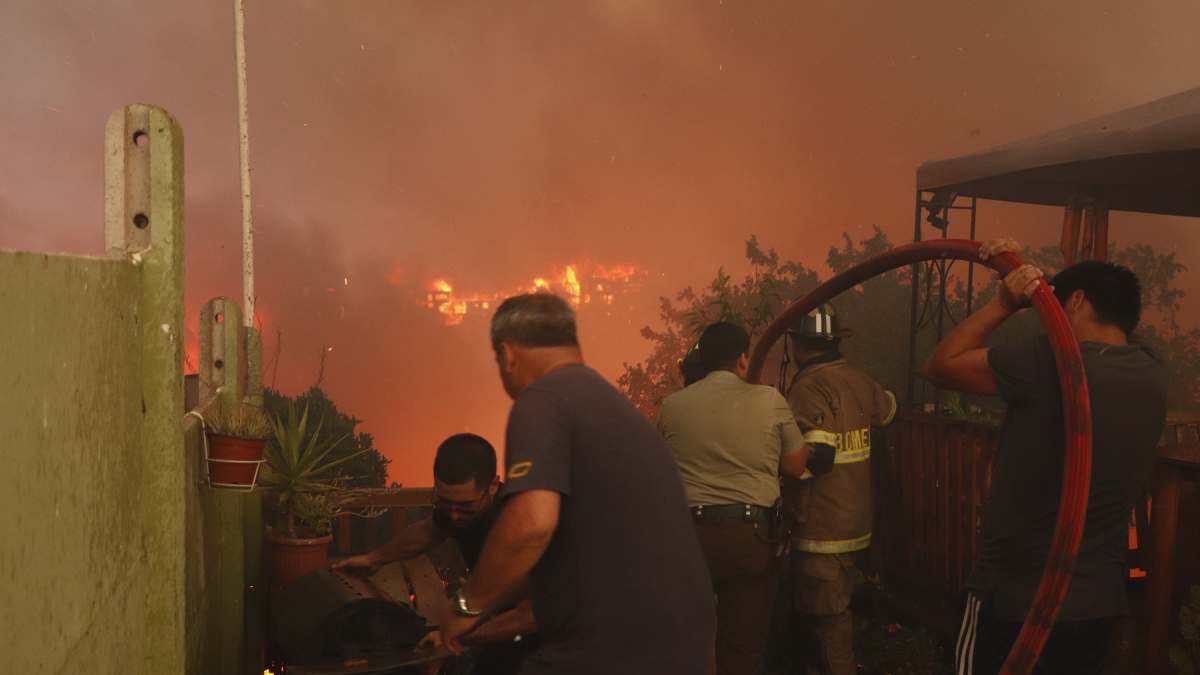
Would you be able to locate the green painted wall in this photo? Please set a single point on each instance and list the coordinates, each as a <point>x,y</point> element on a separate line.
<point>225,598</point>
<point>223,557</point>
<point>114,557</point>
<point>72,561</point>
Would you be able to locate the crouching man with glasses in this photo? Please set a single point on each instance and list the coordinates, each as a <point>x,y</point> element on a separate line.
<point>464,498</point>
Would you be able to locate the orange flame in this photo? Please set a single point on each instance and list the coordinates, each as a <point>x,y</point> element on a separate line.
<point>621,273</point>
<point>570,282</point>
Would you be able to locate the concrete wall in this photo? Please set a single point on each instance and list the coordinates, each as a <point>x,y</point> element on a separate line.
<point>72,563</point>
<point>100,565</point>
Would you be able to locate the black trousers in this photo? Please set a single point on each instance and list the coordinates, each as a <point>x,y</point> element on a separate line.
<point>1074,647</point>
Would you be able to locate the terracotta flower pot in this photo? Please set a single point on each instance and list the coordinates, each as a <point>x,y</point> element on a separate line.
<point>291,558</point>
<point>232,461</point>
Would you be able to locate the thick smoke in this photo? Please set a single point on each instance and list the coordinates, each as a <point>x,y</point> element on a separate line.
<point>489,143</point>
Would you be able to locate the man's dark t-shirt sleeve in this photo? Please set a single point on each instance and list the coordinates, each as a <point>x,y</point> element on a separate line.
<point>1021,368</point>
<point>538,444</point>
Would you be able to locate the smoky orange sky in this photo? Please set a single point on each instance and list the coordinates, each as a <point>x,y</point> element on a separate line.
<point>394,142</point>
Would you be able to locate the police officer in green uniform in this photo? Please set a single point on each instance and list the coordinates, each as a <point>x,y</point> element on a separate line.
<point>732,440</point>
<point>835,405</point>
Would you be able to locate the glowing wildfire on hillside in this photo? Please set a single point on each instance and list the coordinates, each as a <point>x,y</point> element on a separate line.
<point>581,285</point>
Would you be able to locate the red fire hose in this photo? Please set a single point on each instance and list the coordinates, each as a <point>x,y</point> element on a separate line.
<point>1077,414</point>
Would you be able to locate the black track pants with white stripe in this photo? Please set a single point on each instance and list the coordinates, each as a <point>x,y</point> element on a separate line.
<point>1075,647</point>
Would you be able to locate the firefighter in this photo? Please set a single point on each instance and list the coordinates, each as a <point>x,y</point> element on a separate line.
<point>835,405</point>
<point>692,367</point>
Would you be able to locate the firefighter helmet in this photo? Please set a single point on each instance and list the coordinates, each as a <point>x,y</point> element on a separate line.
<point>692,366</point>
<point>821,322</point>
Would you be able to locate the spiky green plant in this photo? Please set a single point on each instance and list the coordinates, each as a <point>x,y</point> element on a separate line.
<point>242,421</point>
<point>298,468</point>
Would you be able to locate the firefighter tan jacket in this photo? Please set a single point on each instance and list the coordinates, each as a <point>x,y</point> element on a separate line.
<point>837,404</point>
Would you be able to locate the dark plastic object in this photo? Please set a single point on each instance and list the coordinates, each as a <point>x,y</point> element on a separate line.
<point>332,615</point>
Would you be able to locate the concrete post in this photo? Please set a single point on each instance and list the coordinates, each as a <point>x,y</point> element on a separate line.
<point>143,208</point>
<point>222,366</point>
<point>230,372</point>
<point>255,615</point>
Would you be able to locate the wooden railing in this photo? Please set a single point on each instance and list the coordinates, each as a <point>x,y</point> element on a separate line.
<point>931,484</point>
<point>372,517</point>
<point>1178,460</point>
<point>930,487</point>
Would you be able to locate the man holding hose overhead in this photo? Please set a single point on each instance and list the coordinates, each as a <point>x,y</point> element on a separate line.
<point>1127,386</point>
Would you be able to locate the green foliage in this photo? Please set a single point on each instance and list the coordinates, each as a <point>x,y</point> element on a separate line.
<point>878,313</point>
<point>369,466</point>
<point>299,472</point>
<point>960,406</point>
<point>241,421</point>
<point>900,649</point>
<point>314,512</point>
<point>1185,657</point>
<point>1160,329</point>
<point>1161,302</point>
<point>876,310</point>
<point>751,302</point>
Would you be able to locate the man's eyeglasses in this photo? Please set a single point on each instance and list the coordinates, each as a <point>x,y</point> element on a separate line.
<point>465,508</point>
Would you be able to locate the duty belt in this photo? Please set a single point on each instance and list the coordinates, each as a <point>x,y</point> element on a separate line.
<point>832,545</point>
<point>746,512</point>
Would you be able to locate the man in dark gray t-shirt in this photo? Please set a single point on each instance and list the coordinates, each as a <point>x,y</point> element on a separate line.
<point>1127,389</point>
<point>1127,385</point>
<point>594,523</point>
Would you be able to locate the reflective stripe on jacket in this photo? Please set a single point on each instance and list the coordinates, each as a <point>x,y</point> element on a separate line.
<point>836,404</point>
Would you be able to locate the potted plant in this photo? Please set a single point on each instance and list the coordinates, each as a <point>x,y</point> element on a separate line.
<point>235,439</point>
<point>299,477</point>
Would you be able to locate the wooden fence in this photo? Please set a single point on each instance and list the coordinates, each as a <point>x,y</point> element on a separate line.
<point>930,489</point>
<point>375,516</point>
<point>931,485</point>
<point>1178,462</point>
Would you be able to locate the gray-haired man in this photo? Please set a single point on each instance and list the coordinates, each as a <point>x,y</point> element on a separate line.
<point>594,522</point>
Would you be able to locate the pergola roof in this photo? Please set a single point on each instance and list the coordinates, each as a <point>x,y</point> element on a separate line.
<point>1145,158</point>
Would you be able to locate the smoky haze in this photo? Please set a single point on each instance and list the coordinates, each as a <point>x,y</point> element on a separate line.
<point>485,143</point>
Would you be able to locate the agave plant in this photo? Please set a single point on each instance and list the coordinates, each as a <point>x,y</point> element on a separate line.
<point>299,472</point>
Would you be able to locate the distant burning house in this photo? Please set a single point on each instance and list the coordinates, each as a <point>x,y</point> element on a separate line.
<point>580,284</point>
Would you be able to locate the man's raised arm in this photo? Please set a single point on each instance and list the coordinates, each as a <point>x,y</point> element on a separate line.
<point>410,543</point>
<point>960,362</point>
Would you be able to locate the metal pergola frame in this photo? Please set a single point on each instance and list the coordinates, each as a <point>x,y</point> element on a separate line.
<point>937,207</point>
<point>1142,159</point>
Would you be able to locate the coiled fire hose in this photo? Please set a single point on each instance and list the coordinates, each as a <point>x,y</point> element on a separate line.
<point>1077,418</point>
